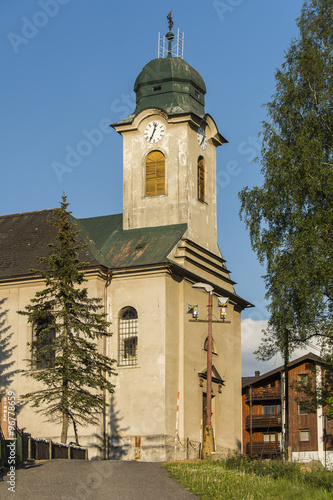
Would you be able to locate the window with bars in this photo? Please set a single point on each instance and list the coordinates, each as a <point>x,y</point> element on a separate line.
<point>128,337</point>
<point>201,178</point>
<point>43,335</point>
<point>155,173</point>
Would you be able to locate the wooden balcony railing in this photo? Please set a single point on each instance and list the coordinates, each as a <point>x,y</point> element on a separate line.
<point>263,421</point>
<point>263,448</point>
<point>263,394</point>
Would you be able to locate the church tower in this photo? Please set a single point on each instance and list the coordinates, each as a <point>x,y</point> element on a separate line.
<point>169,150</point>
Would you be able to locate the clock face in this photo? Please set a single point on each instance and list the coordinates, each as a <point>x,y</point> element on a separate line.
<point>154,132</point>
<point>202,139</point>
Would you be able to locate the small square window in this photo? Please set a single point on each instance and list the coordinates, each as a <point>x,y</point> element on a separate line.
<point>269,437</point>
<point>304,435</point>
<point>303,409</point>
<point>270,410</point>
<point>303,379</point>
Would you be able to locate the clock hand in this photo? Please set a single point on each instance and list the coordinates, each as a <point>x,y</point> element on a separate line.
<point>155,125</point>
<point>202,140</point>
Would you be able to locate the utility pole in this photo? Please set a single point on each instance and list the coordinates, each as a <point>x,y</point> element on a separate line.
<point>208,438</point>
<point>286,393</point>
<point>209,360</point>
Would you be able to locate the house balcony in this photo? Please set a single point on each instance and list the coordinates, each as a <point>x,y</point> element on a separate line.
<point>263,448</point>
<point>263,394</point>
<point>263,421</point>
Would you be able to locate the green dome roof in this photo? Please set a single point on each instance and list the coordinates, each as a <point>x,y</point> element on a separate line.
<point>169,84</point>
<point>169,69</point>
<point>172,85</point>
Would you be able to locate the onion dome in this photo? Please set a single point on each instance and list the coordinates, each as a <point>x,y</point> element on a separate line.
<point>172,85</point>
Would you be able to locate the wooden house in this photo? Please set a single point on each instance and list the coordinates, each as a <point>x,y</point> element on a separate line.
<point>268,410</point>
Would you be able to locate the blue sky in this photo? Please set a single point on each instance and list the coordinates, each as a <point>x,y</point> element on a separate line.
<point>68,67</point>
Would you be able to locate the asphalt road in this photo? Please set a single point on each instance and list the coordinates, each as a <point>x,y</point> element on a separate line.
<point>85,480</point>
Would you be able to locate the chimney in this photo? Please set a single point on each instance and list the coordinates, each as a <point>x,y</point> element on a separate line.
<point>257,374</point>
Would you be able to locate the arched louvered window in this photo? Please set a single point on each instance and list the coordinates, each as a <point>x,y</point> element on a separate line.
<point>201,178</point>
<point>128,337</point>
<point>155,173</point>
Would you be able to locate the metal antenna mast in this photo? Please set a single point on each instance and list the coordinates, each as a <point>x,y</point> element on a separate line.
<point>170,45</point>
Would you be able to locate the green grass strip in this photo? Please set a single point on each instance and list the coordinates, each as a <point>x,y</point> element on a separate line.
<point>241,479</point>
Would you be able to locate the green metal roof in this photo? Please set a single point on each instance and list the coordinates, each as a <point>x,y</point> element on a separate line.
<point>25,237</point>
<point>169,84</point>
<point>117,248</point>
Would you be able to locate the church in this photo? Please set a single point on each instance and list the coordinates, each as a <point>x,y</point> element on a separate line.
<point>143,264</point>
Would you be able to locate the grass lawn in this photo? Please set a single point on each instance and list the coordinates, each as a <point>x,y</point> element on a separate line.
<point>239,478</point>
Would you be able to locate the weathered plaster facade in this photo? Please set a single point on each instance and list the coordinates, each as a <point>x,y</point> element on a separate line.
<point>180,202</point>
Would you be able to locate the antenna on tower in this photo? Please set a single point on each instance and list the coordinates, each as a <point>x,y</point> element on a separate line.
<point>170,45</point>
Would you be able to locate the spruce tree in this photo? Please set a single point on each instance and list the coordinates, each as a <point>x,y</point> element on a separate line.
<point>72,375</point>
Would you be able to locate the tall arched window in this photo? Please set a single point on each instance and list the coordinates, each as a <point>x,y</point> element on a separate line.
<point>155,173</point>
<point>43,335</point>
<point>128,337</point>
<point>201,178</point>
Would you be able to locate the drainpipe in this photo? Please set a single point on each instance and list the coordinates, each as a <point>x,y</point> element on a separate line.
<point>251,423</point>
<point>107,283</point>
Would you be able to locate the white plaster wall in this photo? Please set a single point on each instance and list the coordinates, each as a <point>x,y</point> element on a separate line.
<point>139,398</point>
<point>16,297</point>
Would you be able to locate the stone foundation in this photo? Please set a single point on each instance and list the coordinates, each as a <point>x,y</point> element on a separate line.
<point>155,448</point>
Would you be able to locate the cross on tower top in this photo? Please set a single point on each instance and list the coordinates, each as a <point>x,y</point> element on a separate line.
<point>169,18</point>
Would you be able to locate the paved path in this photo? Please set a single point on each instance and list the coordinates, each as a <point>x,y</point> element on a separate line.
<point>85,480</point>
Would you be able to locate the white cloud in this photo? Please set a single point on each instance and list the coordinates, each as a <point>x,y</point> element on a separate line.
<point>251,338</point>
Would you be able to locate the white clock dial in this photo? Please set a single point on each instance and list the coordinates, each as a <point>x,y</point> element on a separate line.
<point>202,139</point>
<point>154,132</point>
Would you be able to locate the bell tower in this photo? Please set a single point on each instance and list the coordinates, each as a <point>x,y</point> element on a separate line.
<point>169,150</point>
